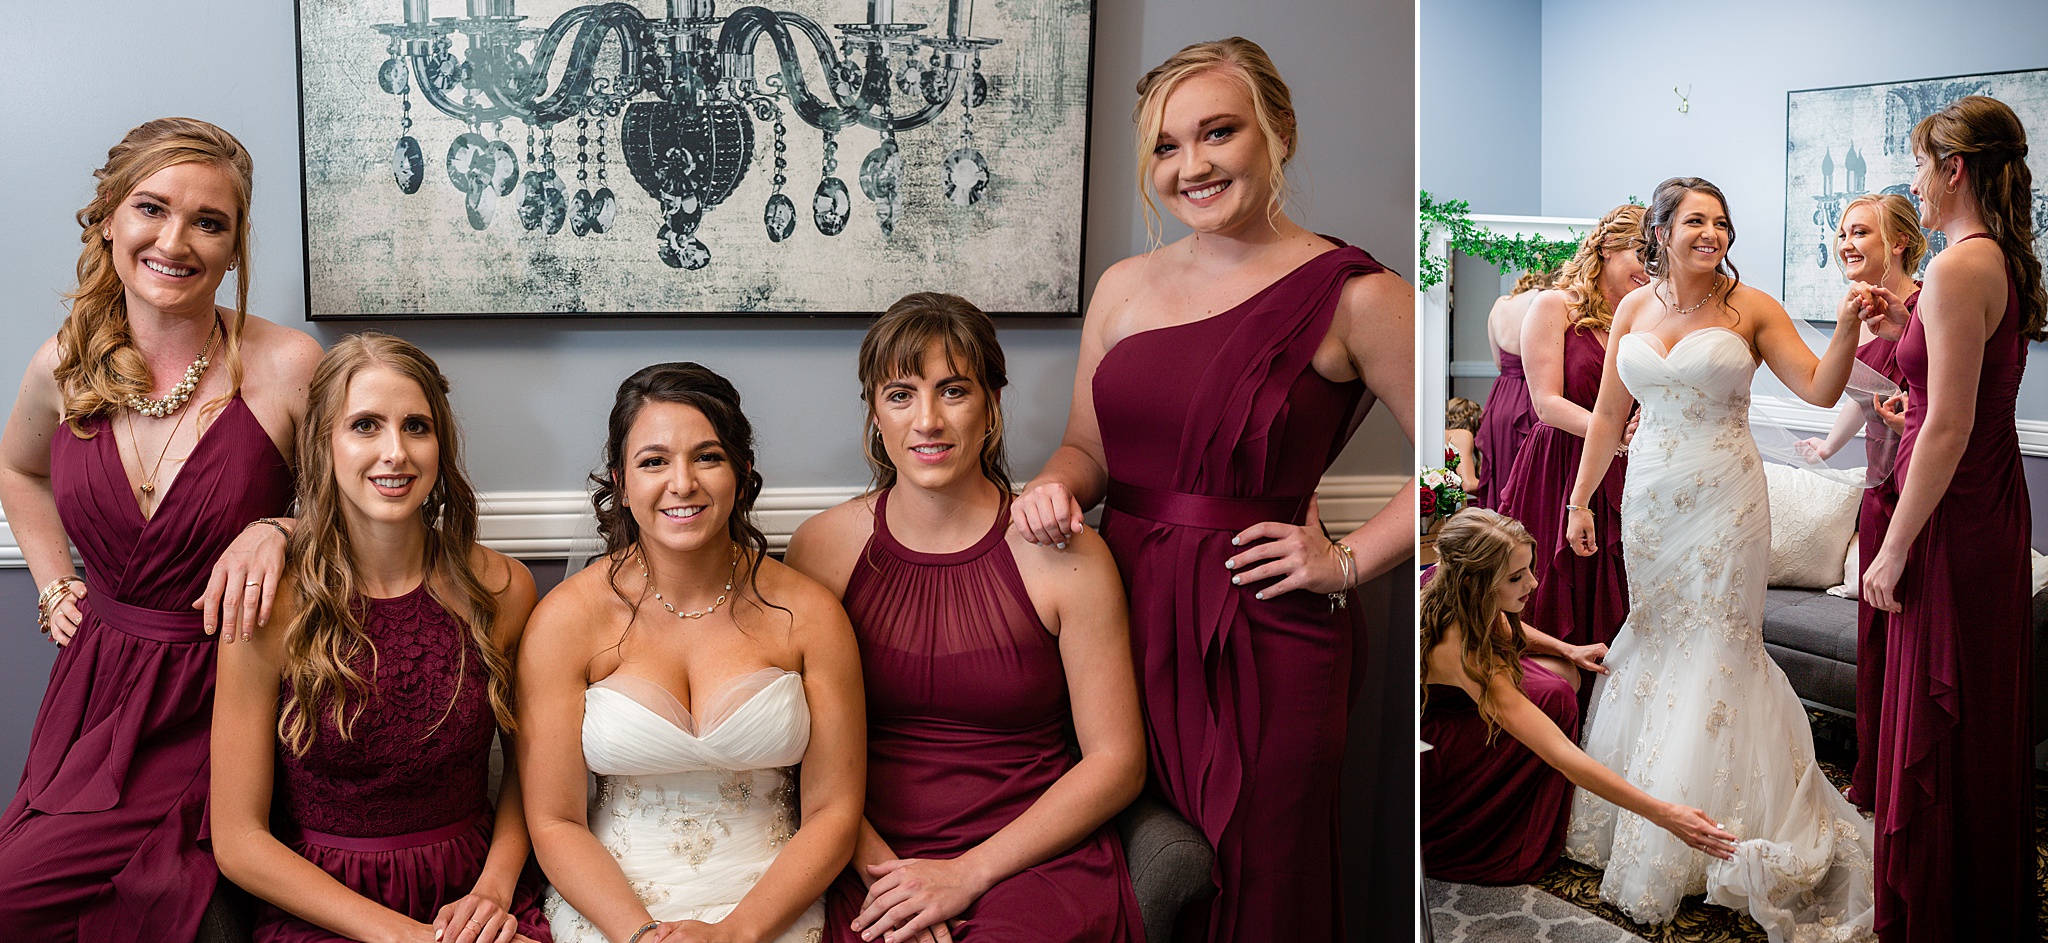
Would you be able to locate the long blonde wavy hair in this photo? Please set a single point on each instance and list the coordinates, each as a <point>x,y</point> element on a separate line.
<point>1898,225</point>
<point>1993,146</point>
<point>325,636</point>
<point>1244,62</point>
<point>98,365</point>
<point>1620,230</point>
<point>1473,551</point>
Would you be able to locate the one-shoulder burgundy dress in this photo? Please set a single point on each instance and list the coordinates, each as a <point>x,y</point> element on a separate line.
<point>104,839</point>
<point>968,723</point>
<point>400,812</point>
<point>1208,428</point>
<point>1492,811</point>
<point>1873,517</point>
<point>1581,600</point>
<point>1955,788</point>
<point>1503,428</point>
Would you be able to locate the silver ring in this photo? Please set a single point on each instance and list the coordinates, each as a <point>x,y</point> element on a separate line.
<point>253,583</point>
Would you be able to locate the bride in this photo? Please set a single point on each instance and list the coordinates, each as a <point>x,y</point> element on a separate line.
<point>1692,707</point>
<point>692,673</point>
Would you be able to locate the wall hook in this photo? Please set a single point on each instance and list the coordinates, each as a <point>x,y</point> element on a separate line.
<point>1684,99</point>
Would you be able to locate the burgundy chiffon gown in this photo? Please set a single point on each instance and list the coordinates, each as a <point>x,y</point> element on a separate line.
<point>104,838</point>
<point>1873,516</point>
<point>1955,843</point>
<point>968,723</point>
<point>1503,428</point>
<point>1493,813</point>
<point>1208,428</point>
<point>400,812</point>
<point>1582,600</point>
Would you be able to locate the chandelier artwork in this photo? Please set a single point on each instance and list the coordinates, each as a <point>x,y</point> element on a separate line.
<point>676,99</point>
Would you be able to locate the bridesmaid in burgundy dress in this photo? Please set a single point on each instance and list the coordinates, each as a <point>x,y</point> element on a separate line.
<point>157,481</point>
<point>980,650</point>
<point>1879,243</point>
<point>1564,347</point>
<point>1218,378</point>
<point>1493,808</point>
<point>1955,850</point>
<point>379,696</point>
<point>1509,417</point>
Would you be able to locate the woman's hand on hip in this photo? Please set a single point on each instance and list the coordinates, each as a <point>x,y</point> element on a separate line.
<point>1296,554</point>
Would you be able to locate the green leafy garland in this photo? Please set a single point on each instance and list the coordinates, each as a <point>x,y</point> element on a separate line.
<point>1523,253</point>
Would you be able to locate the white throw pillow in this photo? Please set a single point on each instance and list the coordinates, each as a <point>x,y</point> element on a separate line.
<point>1812,519</point>
<point>1851,586</point>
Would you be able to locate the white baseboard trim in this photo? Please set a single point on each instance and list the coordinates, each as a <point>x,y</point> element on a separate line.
<point>540,525</point>
<point>1801,416</point>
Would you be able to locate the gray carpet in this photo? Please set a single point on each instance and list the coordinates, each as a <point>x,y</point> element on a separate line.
<point>1464,913</point>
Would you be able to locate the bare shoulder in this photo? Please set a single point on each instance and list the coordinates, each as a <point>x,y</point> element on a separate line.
<point>1085,565</point>
<point>1969,259</point>
<point>566,622</point>
<point>40,380</point>
<point>508,579</point>
<point>826,546</point>
<point>814,619</point>
<point>1753,302</point>
<point>1382,300</point>
<point>1116,293</point>
<point>277,354</point>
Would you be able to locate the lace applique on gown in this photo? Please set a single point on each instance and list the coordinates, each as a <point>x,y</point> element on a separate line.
<point>1693,710</point>
<point>693,807</point>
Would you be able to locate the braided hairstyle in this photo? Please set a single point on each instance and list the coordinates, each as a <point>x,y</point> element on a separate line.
<point>1621,229</point>
<point>1992,144</point>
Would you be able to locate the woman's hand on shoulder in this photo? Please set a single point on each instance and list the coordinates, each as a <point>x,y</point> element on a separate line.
<point>242,591</point>
<point>1046,514</point>
<point>1299,555</point>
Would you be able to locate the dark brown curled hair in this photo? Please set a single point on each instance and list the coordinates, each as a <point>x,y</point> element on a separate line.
<point>698,387</point>
<point>895,347</point>
<point>1657,228</point>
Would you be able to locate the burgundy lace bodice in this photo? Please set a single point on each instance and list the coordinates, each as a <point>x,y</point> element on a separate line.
<point>418,755</point>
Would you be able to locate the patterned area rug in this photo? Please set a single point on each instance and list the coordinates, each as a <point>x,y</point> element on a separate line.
<point>1701,922</point>
<point>1464,913</point>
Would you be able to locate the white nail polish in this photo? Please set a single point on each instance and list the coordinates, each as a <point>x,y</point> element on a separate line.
<point>1261,594</point>
<point>1234,581</point>
<point>1233,541</point>
<point>1230,564</point>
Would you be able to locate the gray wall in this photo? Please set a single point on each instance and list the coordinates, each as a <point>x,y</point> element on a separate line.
<point>1482,103</point>
<point>533,395</point>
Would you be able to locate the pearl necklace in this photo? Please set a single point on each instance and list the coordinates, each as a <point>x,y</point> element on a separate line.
<point>698,613</point>
<point>1675,309</point>
<point>182,393</point>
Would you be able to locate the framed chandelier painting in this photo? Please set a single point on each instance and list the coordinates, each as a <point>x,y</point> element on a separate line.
<point>548,158</point>
<point>1841,143</point>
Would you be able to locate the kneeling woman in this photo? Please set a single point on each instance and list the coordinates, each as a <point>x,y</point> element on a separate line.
<point>689,671</point>
<point>981,650</point>
<point>378,701</point>
<point>1494,811</point>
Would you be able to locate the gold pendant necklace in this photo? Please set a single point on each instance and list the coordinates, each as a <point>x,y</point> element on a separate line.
<point>695,613</point>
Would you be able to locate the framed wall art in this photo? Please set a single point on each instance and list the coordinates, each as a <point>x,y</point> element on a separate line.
<point>1841,143</point>
<point>473,158</point>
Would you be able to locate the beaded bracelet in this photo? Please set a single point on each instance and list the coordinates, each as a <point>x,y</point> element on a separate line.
<point>1349,564</point>
<point>272,522</point>
<point>635,938</point>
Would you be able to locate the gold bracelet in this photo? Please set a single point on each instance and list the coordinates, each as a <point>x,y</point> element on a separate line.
<point>1347,563</point>
<point>46,601</point>
<point>637,934</point>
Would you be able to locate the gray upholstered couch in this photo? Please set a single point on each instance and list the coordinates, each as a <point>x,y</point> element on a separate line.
<point>1169,861</point>
<point>1812,637</point>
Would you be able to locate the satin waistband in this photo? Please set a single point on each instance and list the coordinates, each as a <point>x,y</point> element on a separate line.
<point>154,624</point>
<point>431,836</point>
<point>1204,511</point>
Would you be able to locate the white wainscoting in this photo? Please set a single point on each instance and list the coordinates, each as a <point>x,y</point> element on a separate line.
<point>539,525</point>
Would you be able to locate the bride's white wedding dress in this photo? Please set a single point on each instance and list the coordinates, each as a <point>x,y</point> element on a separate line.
<point>694,808</point>
<point>1692,710</point>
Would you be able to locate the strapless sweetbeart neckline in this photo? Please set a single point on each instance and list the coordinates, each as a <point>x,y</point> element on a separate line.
<point>1665,353</point>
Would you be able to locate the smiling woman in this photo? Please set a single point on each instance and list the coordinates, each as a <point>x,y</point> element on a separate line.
<point>150,433</point>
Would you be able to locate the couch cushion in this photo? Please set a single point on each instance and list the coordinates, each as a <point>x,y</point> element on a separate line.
<point>1812,622</point>
<point>1812,519</point>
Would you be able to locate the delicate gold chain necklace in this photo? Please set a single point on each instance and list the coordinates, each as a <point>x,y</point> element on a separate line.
<point>707,610</point>
<point>1675,309</point>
